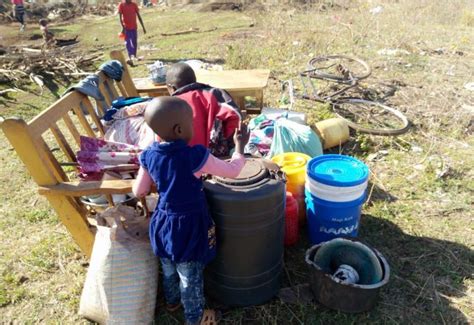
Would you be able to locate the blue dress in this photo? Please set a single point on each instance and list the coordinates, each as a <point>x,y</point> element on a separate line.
<point>181,228</point>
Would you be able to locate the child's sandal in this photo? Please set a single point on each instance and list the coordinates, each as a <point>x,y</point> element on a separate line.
<point>210,317</point>
<point>173,307</point>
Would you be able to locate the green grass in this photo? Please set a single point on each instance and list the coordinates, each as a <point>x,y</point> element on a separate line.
<point>420,214</point>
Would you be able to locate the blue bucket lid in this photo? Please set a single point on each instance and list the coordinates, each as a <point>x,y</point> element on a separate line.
<point>338,170</point>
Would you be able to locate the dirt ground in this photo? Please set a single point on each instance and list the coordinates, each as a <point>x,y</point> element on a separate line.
<point>420,213</point>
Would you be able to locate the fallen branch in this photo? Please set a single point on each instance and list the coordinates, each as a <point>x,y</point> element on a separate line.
<point>10,90</point>
<point>191,30</point>
<point>27,49</point>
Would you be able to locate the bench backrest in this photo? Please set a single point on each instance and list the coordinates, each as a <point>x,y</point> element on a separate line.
<point>48,143</point>
<point>60,126</point>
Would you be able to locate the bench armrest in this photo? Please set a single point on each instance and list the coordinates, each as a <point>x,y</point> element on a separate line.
<point>88,188</point>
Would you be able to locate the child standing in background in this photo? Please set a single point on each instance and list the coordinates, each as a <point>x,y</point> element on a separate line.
<point>128,14</point>
<point>182,232</point>
<point>19,13</point>
<point>48,36</point>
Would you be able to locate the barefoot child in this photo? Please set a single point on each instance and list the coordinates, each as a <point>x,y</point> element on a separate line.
<point>48,36</point>
<point>182,233</point>
<point>128,13</point>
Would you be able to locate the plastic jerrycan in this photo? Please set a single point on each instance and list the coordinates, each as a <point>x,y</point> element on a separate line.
<point>333,132</point>
<point>293,164</point>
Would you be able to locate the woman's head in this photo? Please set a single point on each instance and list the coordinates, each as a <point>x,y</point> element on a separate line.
<point>171,118</point>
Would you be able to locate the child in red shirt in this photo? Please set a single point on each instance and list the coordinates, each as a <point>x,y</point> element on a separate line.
<point>215,114</point>
<point>128,13</point>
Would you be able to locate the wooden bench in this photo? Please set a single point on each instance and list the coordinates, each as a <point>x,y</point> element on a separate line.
<point>60,126</point>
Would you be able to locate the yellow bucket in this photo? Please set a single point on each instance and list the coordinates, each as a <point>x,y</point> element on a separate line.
<point>294,166</point>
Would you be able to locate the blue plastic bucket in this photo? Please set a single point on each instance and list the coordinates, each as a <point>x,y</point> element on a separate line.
<point>334,195</point>
<point>329,220</point>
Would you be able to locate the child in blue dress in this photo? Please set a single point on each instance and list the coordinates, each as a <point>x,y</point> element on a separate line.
<point>182,232</point>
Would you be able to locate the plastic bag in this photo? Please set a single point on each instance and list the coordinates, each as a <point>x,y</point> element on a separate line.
<point>157,72</point>
<point>275,113</point>
<point>289,136</point>
<point>122,280</point>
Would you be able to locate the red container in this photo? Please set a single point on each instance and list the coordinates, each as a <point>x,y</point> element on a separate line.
<point>122,36</point>
<point>291,220</point>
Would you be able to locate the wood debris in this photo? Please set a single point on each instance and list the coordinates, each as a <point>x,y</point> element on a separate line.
<point>23,65</point>
<point>58,11</point>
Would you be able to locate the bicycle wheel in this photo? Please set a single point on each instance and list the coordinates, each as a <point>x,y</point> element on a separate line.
<point>339,68</point>
<point>371,117</point>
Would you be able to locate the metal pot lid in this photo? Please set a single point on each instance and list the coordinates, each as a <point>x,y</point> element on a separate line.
<point>253,172</point>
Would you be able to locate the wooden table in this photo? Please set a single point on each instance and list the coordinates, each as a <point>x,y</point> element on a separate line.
<point>238,83</point>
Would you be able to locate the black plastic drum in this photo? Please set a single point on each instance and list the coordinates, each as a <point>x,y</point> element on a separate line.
<point>249,216</point>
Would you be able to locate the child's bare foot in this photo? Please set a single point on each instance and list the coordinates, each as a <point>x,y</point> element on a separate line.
<point>209,317</point>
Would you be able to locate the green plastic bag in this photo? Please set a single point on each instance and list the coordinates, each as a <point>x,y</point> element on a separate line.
<point>290,136</point>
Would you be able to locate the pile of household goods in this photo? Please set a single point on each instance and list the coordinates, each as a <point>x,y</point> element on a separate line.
<point>287,183</point>
<point>256,214</point>
<point>329,192</point>
<point>278,131</point>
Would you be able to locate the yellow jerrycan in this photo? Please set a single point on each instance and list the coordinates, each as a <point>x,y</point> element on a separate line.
<point>293,164</point>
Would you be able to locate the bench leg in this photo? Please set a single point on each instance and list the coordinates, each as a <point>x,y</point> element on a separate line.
<point>69,212</point>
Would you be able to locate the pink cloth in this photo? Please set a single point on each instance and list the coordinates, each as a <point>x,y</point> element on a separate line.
<point>17,2</point>
<point>96,155</point>
<point>213,166</point>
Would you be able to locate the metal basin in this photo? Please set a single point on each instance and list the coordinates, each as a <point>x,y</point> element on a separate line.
<point>101,207</point>
<point>350,298</point>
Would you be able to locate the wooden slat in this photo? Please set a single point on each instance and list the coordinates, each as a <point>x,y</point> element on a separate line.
<point>104,93</point>
<point>88,188</point>
<point>51,162</point>
<point>43,121</point>
<point>72,128</point>
<point>83,120</point>
<point>121,88</point>
<point>62,142</point>
<point>110,199</point>
<point>110,84</point>
<point>105,88</point>
<point>126,78</point>
<point>155,92</point>
<point>77,189</point>
<point>88,105</point>
<point>100,106</point>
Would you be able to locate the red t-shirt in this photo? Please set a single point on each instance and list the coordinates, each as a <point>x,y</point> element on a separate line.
<point>129,14</point>
<point>17,2</point>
